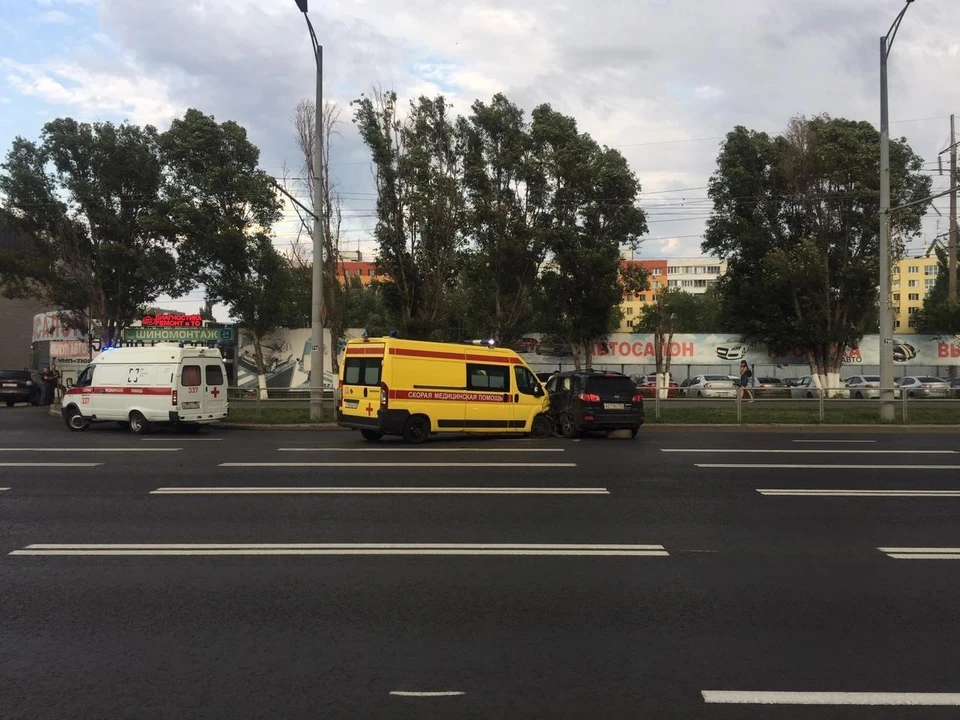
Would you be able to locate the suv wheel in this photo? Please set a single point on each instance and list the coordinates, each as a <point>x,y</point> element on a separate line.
<point>568,427</point>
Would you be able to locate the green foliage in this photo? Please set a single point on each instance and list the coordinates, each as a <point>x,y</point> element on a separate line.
<point>88,200</point>
<point>796,216</point>
<point>689,313</point>
<point>939,316</point>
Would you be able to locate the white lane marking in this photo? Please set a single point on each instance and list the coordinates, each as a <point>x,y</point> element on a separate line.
<point>187,439</point>
<point>4,489</point>
<point>834,441</point>
<point>89,449</point>
<point>921,553</point>
<point>753,697</point>
<point>396,464</point>
<point>439,549</point>
<point>769,466</point>
<point>810,451</point>
<point>858,493</point>
<point>49,464</point>
<point>427,693</point>
<point>266,490</point>
<point>417,449</point>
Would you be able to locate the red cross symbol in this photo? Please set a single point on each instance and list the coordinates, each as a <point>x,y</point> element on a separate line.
<point>369,409</point>
<point>215,392</point>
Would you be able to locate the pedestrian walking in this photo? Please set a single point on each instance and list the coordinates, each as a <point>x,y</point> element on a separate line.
<point>746,379</point>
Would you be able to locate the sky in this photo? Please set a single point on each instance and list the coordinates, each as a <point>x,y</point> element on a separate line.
<point>661,80</point>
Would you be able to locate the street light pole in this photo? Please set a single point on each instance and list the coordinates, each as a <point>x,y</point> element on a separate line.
<point>316,314</point>
<point>887,409</point>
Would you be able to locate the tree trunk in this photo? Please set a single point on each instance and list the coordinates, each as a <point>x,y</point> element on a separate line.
<point>663,369</point>
<point>825,371</point>
<point>261,369</point>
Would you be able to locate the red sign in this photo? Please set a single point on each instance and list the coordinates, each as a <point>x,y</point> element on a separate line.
<point>172,321</point>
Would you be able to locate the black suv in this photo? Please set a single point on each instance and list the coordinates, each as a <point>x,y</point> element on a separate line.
<point>18,386</point>
<point>585,400</point>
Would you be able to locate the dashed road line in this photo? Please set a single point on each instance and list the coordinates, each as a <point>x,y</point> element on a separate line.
<point>810,451</point>
<point>803,492</point>
<point>89,449</point>
<point>366,450</point>
<point>395,464</point>
<point>755,697</point>
<point>267,490</point>
<point>427,693</point>
<point>369,549</point>
<point>921,553</point>
<point>775,466</point>
<point>49,464</point>
<point>834,441</point>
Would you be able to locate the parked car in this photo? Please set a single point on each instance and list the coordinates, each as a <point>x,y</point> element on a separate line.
<point>711,386</point>
<point>955,388</point>
<point>18,386</point>
<point>770,387</point>
<point>732,349</point>
<point>586,400</point>
<point>903,352</point>
<point>684,384</point>
<point>648,386</point>
<point>867,387</point>
<point>924,386</point>
<point>549,346</point>
<point>806,387</point>
<point>526,344</point>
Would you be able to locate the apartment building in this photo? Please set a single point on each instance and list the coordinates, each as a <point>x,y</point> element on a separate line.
<point>911,279</point>
<point>694,274</point>
<point>632,304</point>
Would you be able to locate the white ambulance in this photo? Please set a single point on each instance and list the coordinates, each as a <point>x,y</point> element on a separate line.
<point>140,386</point>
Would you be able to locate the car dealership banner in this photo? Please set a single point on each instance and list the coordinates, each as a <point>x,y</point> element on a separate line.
<point>700,349</point>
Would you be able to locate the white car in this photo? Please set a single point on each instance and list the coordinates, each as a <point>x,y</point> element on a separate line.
<point>866,387</point>
<point>732,349</point>
<point>806,387</point>
<point>924,387</point>
<point>711,386</point>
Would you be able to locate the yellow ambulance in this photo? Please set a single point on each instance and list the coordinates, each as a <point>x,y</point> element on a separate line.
<point>411,388</point>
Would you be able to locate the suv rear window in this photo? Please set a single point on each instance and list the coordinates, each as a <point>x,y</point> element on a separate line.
<point>607,386</point>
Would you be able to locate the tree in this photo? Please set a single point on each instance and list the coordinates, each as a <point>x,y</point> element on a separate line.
<point>335,285</point>
<point>505,219</point>
<point>88,201</point>
<point>691,313</point>
<point>418,171</point>
<point>223,206</point>
<point>796,217</point>
<point>591,195</point>
<point>939,315</point>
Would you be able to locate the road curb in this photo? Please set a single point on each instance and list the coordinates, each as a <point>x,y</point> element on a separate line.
<point>289,426</point>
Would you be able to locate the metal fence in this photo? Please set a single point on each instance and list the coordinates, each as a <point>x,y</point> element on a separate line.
<point>277,398</point>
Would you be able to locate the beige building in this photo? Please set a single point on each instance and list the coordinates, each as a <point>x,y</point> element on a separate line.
<point>911,279</point>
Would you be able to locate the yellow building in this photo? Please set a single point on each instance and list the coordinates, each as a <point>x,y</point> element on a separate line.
<point>912,278</point>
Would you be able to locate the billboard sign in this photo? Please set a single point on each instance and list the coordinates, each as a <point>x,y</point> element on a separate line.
<point>50,326</point>
<point>172,321</point>
<point>186,334</point>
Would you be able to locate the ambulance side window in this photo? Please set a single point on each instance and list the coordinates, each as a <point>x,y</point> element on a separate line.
<point>190,376</point>
<point>85,378</point>
<point>488,377</point>
<point>526,380</point>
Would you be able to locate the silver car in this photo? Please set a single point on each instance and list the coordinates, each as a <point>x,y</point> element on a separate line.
<point>806,387</point>
<point>924,386</point>
<point>866,387</point>
<point>711,386</point>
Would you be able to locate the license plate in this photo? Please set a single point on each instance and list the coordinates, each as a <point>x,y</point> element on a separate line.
<point>10,385</point>
<point>613,406</point>
<point>351,404</point>
<point>190,405</point>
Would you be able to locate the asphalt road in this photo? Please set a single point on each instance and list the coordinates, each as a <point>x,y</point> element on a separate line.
<point>597,578</point>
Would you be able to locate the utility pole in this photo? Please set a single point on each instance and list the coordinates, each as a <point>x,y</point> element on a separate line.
<point>887,404</point>
<point>316,324</point>
<point>952,261</point>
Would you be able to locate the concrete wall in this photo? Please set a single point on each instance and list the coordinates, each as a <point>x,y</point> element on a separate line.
<point>16,332</point>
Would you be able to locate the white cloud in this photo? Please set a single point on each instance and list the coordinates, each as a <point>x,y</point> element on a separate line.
<point>707,92</point>
<point>54,17</point>
<point>140,98</point>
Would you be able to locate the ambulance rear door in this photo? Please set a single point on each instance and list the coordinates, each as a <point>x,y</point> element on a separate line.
<point>362,370</point>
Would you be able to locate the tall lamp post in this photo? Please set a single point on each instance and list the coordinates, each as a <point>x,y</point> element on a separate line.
<point>887,409</point>
<point>316,314</point>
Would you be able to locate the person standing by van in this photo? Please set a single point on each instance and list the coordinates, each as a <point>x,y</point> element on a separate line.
<point>746,379</point>
<point>48,386</point>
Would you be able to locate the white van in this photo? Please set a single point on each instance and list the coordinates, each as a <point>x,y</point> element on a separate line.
<point>140,386</point>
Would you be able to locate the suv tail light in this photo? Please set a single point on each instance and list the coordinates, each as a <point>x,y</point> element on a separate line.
<point>638,398</point>
<point>589,397</point>
<point>384,396</point>
<point>173,398</point>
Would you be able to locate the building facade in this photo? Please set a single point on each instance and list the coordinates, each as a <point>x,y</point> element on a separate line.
<point>910,280</point>
<point>690,274</point>
<point>633,303</point>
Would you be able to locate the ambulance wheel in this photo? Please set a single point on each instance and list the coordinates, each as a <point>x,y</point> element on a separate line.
<point>416,430</point>
<point>76,421</point>
<point>542,427</point>
<point>371,435</point>
<point>568,426</point>
<point>138,423</point>
<point>11,403</point>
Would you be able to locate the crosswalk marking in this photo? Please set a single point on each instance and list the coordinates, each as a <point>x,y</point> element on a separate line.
<point>266,490</point>
<point>921,553</point>
<point>801,492</point>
